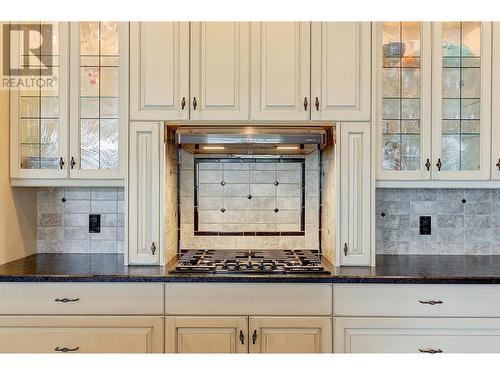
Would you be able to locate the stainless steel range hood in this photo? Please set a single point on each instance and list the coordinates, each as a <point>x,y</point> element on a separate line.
<point>250,140</point>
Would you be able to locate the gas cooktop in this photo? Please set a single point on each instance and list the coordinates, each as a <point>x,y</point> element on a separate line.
<point>250,261</point>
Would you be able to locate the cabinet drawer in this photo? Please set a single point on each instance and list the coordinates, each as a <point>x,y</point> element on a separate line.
<point>81,299</point>
<point>56,334</point>
<point>417,300</point>
<point>417,335</point>
<point>248,299</point>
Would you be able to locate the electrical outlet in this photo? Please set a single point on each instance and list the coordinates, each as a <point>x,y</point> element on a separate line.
<point>425,225</point>
<point>94,223</point>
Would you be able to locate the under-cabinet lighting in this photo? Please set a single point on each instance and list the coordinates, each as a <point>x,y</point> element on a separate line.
<point>213,147</point>
<point>287,147</point>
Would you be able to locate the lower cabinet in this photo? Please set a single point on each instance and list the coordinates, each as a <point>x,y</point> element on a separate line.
<point>417,335</point>
<point>81,334</point>
<point>290,335</point>
<point>197,334</point>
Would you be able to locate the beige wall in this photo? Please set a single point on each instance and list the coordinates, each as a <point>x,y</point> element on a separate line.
<point>17,206</point>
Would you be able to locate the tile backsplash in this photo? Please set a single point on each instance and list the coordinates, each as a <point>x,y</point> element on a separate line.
<point>463,221</point>
<point>255,214</point>
<point>63,220</point>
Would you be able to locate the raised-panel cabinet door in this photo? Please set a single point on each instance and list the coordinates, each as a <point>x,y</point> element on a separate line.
<point>402,75</point>
<point>280,71</point>
<point>461,74</point>
<point>39,105</point>
<point>220,70</point>
<point>495,136</point>
<point>290,335</point>
<point>417,335</point>
<point>340,71</point>
<point>82,334</point>
<point>99,99</point>
<point>146,148</point>
<point>159,70</point>
<point>355,194</point>
<point>192,334</point>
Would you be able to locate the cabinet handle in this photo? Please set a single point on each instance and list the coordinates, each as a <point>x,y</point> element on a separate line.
<point>72,163</point>
<point>498,164</point>
<point>428,165</point>
<point>431,302</point>
<point>195,103</point>
<point>183,103</point>
<point>254,337</point>
<point>66,350</point>
<point>430,351</point>
<point>305,103</point>
<point>242,337</point>
<point>153,248</point>
<point>346,249</point>
<point>61,163</point>
<point>66,300</point>
<point>316,103</point>
<point>439,164</point>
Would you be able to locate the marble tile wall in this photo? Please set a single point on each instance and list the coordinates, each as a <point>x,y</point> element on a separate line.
<point>189,241</point>
<point>464,221</point>
<point>63,220</point>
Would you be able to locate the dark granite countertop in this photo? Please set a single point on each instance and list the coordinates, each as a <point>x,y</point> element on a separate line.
<point>416,269</point>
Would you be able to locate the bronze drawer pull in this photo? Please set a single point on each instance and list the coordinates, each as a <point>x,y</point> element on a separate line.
<point>498,164</point>
<point>430,351</point>
<point>183,103</point>
<point>439,164</point>
<point>305,103</point>
<point>428,165</point>
<point>66,300</point>
<point>431,302</point>
<point>195,103</point>
<point>242,337</point>
<point>61,163</point>
<point>66,350</point>
<point>254,337</point>
<point>72,163</point>
<point>316,103</point>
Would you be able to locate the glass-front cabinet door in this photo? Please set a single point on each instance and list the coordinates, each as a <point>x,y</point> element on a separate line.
<point>461,100</point>
<point>403,98</point>
<point>39,63</point>
<point>99,76</point>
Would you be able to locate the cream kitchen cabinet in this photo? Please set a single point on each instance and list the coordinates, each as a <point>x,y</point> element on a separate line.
<point>290,335</point>
<point>145,155</point>
<point>280,71</point>
<point>417,335</point>
<point>437,73</point>
<point>237,334</point>
<point>81,334</point>
<point>403,99</point>
<point>461,103</point>
<point>39,116</point>
<point>220,63</point>
<point>198,334</point>
<point>354,195</point>
<point>495,136</point>
<point>341,71</point>
<point>70,135</point>
<point>159,71</point>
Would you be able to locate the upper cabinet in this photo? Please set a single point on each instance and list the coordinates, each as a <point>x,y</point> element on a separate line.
<point>99,105</point>
<point>64,134</point>
<point>280,71</point>
<point>439,74</point>
<point>461,70</point>
<point>340,71</point>
<point>39,114</point>
<point>220,57</point>
<point>403,99</point>
<point>159,71</point>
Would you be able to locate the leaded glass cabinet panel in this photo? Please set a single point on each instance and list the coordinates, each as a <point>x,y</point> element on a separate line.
<point>99,99</point>
<point>39,63</point>
<point>402,68</point>
<point>461,102</point>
